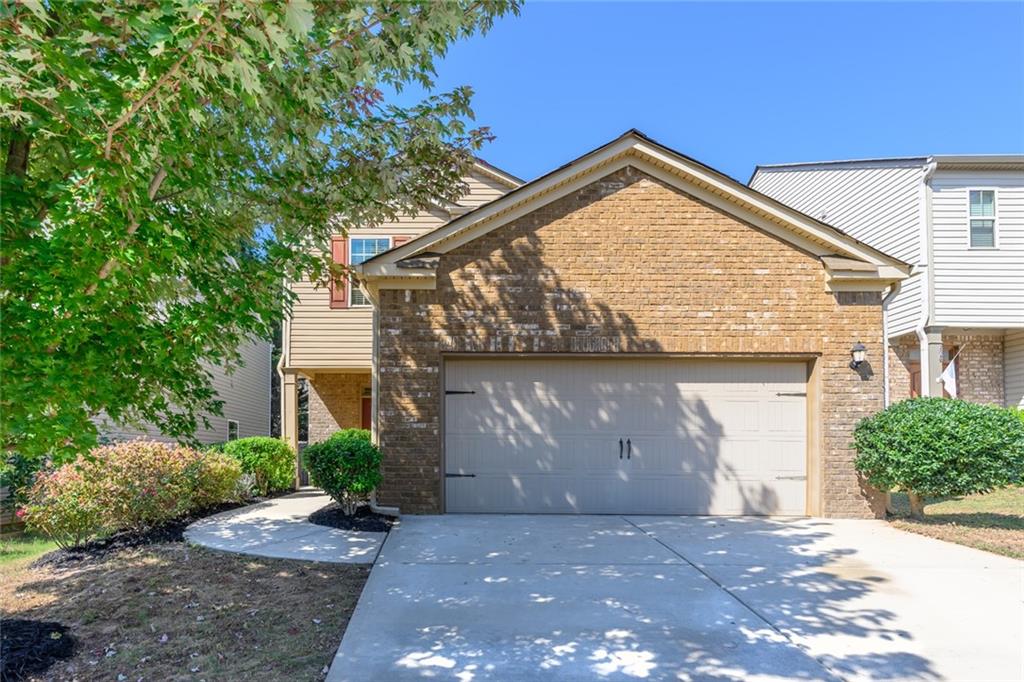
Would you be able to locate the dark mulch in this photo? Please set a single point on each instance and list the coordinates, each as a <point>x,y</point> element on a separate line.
<point>172,531</point>
<point>365,519</point>
<point>31,646</point>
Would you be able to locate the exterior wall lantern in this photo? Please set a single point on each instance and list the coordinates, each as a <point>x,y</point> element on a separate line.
<point>859,353</point>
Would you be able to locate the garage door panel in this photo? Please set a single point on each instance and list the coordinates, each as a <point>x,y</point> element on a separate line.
<point>707,437</point>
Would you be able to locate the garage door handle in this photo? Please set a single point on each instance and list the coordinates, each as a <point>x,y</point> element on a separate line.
<point>801,395</point>
<point>790,478</point>
<point>620,448</point>
<point>460,475</point>
<point>629,449</point>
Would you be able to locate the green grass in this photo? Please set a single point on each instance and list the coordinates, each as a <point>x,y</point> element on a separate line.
<point>21,547</point>
<point>992,521</point>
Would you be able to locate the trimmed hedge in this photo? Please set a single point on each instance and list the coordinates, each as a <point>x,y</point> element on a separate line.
<point>346,466</point>
<point>271,461</point>
<point>930,447</point>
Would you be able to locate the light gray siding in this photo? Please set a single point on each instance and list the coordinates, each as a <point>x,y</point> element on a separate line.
<point>983,287</point>
<point>246,396</point>
<point>1013,368</point>
<point>878,203</point>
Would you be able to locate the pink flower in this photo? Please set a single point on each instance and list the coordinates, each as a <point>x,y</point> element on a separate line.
<point>20,513</point>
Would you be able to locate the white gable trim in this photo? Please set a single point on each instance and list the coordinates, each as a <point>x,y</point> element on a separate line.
<point>634,150</point>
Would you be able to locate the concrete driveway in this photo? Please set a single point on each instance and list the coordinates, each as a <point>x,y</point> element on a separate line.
<point>682,598</point>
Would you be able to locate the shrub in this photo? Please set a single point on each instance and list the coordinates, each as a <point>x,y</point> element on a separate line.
<point>271,461</point>
<point>17,473</point>
<point>130,486</point>
<point>219,480</point>
<point>346,466</point>
<point>931,447</point>
<point>65,505</point>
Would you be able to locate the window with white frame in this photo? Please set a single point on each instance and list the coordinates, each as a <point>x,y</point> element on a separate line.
<point>360,249</point>
<point>232,429</point>
<point>983,218</point>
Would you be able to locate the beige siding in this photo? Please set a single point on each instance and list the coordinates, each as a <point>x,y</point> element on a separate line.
<point>320,337</point>
<point>246,396</point>
<point>978,286</point>
<point>878,203</point>
<point>1013,368</point>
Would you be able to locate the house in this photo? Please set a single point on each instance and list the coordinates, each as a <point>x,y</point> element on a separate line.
<point>328,339</point>
<point>246,396</point>
<point>960,221</point>
<point>633,332</point>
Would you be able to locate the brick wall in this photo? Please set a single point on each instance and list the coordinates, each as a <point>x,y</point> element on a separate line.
<point>335,402</point>
<point>979,367</point>
<point>904,353</point>
<point>627,264</point>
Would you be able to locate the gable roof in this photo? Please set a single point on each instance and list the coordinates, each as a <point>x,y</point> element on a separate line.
<point>953,161</point>
<point>633,148</point>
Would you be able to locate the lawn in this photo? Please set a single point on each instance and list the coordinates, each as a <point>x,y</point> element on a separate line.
<point>174,612</point>
<point>993,522</point>
<point>23,547</point>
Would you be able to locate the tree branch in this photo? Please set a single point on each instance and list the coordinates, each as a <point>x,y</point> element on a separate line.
<point>108,267</point>
<point>127,116</point>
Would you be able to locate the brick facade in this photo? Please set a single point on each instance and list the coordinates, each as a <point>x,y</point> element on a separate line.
<point>980,375</point>
<point>979,367</point>
<point>626,264</point>
<point>335,402</point>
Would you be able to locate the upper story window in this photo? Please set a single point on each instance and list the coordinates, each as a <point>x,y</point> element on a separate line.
<point>360,249</point>
<point>983,218</point>
<point>232,429</point>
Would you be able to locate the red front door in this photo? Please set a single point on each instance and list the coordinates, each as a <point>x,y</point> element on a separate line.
<point>367,412</point>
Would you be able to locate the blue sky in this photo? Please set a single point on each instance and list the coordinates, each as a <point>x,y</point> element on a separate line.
<point>736,84</point>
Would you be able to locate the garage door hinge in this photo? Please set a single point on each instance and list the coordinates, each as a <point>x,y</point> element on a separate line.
<point>793,394</point>
<point>459,392</point>
<point>460,475</point>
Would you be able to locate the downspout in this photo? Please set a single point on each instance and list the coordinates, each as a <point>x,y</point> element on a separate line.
<point>924,263</point>
<point>893,291</point>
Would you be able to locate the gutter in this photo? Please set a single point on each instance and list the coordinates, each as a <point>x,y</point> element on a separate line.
<point>925,257</point>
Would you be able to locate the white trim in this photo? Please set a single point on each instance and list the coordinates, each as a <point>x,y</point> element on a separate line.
<point>994,218</point>
<point>497,174</point>
<point>353,285</point>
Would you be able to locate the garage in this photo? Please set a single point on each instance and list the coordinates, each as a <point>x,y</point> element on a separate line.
<point>630,435</point>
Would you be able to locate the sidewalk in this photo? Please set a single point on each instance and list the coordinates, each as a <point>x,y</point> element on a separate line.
<point>280,529</point>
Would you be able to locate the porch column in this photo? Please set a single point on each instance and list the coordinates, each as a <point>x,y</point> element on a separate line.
<point>290,415</point>
<point>931,371</point>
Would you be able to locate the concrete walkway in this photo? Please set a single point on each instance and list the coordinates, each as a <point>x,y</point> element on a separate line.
<point>279,529</point>
<point>463,597</point>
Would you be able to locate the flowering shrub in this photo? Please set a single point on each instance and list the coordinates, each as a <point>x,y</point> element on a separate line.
<point>128,486</point>
<point>65,505</point>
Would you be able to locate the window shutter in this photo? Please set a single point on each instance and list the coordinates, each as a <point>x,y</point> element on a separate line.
<point>398,241</point>
<point>339,290</point>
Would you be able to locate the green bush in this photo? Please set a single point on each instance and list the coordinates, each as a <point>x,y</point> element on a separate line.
<point>128,486</point>
<point>346,466</point>
<point>65,505</point>
<point>271,461</point>
<point>17,473</point>
<point>930,447</point>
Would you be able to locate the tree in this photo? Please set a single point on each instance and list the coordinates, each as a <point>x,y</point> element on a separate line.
<point>169,164</point>
<point>930,447</point>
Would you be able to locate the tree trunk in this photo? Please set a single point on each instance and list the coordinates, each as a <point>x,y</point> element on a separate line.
<point>916,505</point>
<point>17,154</point>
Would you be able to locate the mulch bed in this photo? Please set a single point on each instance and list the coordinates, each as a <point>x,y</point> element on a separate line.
<point>172,531</point>
<point>365,519</point>
<point>31,646</point>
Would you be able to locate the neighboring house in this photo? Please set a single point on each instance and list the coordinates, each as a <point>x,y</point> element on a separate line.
<point>633,332</point>
<point>960,221</point>
<point>328,339</point>
<point>246,396</point>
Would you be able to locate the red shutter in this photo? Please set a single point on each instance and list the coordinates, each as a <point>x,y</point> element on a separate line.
<point>398,241</point>
<point>339,290</point>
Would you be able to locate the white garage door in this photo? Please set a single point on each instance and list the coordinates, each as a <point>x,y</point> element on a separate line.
<point>637,436</point>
